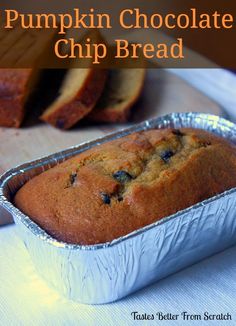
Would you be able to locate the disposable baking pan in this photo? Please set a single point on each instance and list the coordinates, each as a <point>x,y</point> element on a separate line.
<point>106,272</point>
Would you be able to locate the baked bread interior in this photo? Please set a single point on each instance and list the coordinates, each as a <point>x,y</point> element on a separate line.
<point>121,91</point>
<point>18,85</point>
<point>78,92</point>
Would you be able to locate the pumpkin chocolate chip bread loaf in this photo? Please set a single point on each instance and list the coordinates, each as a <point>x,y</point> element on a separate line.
<point>120,186</point>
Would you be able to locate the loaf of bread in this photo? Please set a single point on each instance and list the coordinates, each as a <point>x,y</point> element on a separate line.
<point>121,91</point>
<point>123,185</point>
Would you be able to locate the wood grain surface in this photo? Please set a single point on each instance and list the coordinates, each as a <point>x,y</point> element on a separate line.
<point>163,93</point>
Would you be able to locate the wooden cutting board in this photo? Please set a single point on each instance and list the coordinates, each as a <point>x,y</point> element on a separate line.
<point>163,93</point>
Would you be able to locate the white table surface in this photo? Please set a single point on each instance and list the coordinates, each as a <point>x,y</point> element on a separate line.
<point>26,300</point>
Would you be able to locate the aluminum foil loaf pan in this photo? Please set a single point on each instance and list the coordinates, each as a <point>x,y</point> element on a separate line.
<point>106,272</point>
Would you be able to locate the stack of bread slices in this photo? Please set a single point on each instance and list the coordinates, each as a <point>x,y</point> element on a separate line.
<point>99,95</point>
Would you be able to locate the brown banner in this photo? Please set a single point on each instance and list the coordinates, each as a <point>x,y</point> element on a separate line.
<point>163,33</point>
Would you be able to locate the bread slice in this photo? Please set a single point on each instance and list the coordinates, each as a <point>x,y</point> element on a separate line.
<point>17,85</point>
<point>121,91</point>
<point>78,93</point>
<point>14,91</point>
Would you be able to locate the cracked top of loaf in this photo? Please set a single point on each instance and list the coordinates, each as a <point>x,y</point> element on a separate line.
<point>123,185</point>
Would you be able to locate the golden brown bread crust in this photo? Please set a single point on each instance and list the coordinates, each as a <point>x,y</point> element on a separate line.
<point>123,185</point>
<point>13,93</point>
<point>83,102</point>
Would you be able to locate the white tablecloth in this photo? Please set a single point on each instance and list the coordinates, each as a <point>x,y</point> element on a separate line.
<point>217,84</point>
<point>26,300</point>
